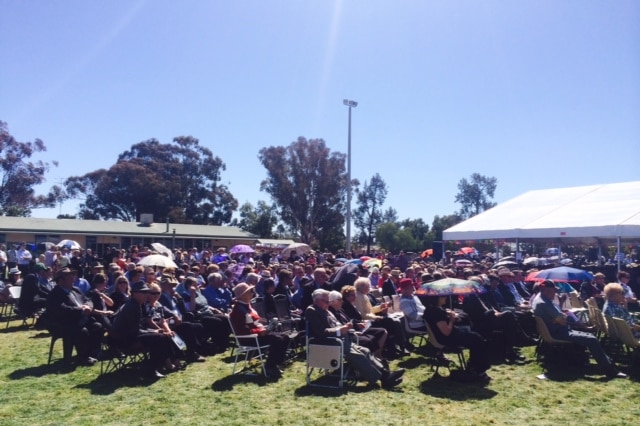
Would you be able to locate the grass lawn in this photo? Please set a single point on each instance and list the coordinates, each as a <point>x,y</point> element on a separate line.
<point>34,393</point>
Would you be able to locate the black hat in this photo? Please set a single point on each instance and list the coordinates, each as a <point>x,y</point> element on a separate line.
<point>140,287</point>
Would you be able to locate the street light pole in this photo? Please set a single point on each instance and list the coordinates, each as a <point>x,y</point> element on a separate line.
<point>350,104</point>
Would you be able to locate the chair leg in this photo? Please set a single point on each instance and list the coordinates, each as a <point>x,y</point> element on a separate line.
<point>53,341</point>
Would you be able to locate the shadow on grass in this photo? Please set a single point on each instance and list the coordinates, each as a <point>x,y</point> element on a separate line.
<point>106,384</point>
<point>444,387</point>
<point>227,383</point>
<point>56,367</point>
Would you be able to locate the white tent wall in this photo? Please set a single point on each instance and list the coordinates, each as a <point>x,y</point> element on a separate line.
<point>585,214</point>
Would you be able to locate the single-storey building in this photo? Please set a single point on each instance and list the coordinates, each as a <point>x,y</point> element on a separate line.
<point>99,235</point>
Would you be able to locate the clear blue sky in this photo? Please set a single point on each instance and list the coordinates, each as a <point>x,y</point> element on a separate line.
<point>538,94</point>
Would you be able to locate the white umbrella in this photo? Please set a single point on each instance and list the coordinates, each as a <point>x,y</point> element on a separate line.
<point>157,260</point>
<point>162,249</point>
<point>70,244</point>
<point>299,248</point>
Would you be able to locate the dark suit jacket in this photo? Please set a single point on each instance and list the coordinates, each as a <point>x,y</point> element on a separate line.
<point>506,294</point>
<point>320,325</point>
<point>387,288</point>
<point>62,309</point>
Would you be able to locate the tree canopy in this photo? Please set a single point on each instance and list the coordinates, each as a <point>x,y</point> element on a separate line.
<point>307,183</point>
<point>179,181</point>
<point>475,195</point>
<point>19,175</point>
<point>260,220</point>
<point>368,214</point>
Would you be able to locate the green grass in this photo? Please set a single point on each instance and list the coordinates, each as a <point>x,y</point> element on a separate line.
<point>31,392</point>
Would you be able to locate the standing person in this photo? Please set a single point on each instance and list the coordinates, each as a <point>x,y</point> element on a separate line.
<point>3,261</point>
<point>69,315</point>
<point>246,321</point>
<point>24,258</point>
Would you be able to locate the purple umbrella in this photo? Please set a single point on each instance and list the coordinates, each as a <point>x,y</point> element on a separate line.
<point>241,248</point>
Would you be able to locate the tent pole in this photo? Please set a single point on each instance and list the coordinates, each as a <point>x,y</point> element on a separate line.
<point>618,252</point>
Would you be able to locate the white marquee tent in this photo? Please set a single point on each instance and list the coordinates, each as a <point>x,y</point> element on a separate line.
<point>594,213</point>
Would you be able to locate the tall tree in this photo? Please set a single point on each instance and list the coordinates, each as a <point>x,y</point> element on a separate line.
<point>475,195</point>
<point>390,215</point>
<point>18,176</point>
<point>259,220</point>
<point>390,236</point>
<point>368,214</point>
<point>179,181</point>
<point>307,183</point>
<point>419,232</point>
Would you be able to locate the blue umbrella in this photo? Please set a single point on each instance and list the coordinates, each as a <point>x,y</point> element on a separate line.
<point>562,274</point>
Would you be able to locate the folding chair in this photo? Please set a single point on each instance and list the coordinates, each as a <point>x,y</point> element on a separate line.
<point>458,350</point>
<point>411,333</point>
<point>12,306</point>
<point>546,338</point>
<point>257,303</point>
<point>630,342</point>
<point>326,355</point>
<point>250,347</point>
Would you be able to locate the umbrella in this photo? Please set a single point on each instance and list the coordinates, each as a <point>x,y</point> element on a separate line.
<point>372,262</point>
<point>562,274</point>
<point>531,261</point>
<point>467,250</point>
<point>299,248</point>
<point>450,287</point>
<point>505,264</point>
<point>426,253</point>
<point>354,261</point>
<point>463,262</point>
<point>344,275</point>
<point>241,248</point>
<point>157,260</point>
<point>70,244</point>
<point>162,249</point>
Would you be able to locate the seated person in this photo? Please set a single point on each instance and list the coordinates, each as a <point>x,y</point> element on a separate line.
<point>70,315</point>
<point>102,304</point>
<point>217,295</point>
<point>129,331</point>
<point>395,345</point>
<point>246,321</point>
<point>589,289</point>
<point>212,319</point>
<point>31,299</point>
<point>442,323</point>
<point>372,338</point>
<point>411,306</point>
<point>630,299</point>
<point>614,306</point>
<point>120,294</point>
<point>559,323</point>
<point>486,320</point>
<point>322,323</point>
<point>157,316</point>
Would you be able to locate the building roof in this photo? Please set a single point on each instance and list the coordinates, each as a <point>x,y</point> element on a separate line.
<point>586,213</point>
<point>101,227</point>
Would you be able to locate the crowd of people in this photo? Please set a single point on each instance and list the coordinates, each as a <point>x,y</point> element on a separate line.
<point>181,315</point>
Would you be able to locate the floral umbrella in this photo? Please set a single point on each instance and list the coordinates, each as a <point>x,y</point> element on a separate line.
<point>450,287</point>
<point>70,244</point>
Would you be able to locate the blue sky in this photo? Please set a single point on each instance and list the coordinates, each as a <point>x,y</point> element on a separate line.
<point>539,94</point>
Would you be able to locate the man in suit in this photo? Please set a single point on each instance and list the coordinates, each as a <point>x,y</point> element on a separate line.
<point>322,323</point>
<point>390,286</point>
<point>69,314</point>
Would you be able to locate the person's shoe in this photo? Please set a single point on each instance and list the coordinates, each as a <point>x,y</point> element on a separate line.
<point>273,372</point>
<point>196,357</point>
<point>391,376</point>
<point>155,374</point>
<point>391,383</point>
<point>88,361</point>
<point>513,356</point>
<point>615,374</point>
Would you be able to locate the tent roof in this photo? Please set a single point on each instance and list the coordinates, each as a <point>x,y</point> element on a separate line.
<point>584,213</point>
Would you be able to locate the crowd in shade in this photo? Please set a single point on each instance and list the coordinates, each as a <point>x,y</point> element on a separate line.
<point>184,309</point>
